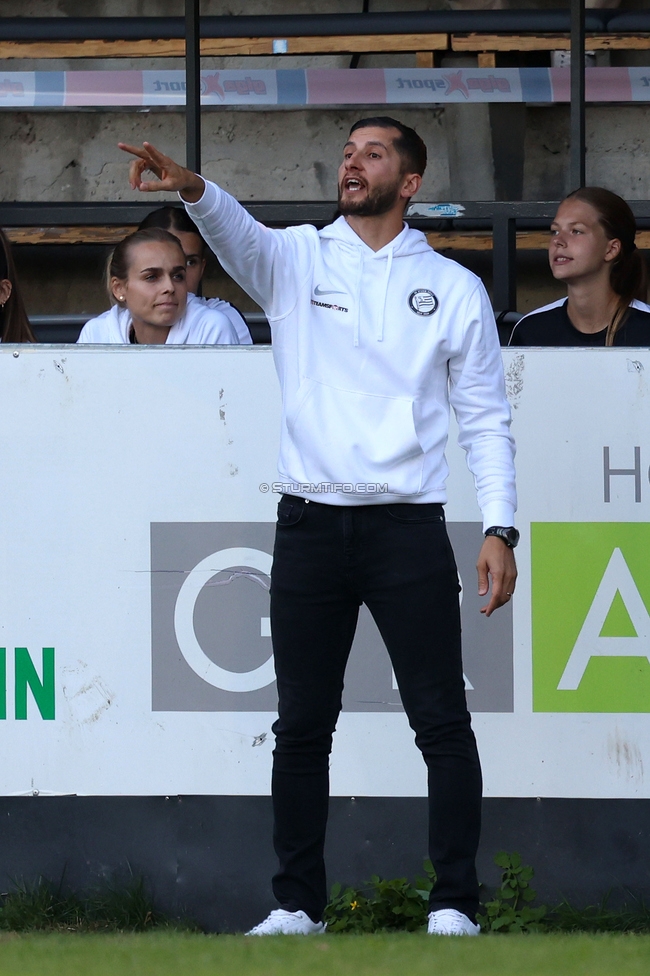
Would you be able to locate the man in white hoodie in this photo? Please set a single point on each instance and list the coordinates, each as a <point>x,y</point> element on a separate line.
<point>374,337</point>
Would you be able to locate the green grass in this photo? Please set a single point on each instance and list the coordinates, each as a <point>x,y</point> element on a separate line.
<point>110,907</point>
<point>177,954</point>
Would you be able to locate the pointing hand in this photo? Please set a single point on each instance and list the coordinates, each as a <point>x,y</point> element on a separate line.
<point>170,175</point>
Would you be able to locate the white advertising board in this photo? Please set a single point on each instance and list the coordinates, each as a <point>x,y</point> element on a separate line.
<point>135,546</point>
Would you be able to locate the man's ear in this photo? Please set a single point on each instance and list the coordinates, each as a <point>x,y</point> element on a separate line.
<point>411,185</point>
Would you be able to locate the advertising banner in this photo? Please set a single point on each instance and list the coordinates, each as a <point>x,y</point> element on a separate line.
<point>136,544</point>
<point>318,86</point>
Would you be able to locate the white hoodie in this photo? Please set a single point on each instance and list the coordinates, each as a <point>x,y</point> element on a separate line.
<point>371,348</point>
<point>237,320</point>
<point>199,325</point>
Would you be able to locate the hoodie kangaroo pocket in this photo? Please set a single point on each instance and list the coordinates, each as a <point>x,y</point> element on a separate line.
<point>339,436</point>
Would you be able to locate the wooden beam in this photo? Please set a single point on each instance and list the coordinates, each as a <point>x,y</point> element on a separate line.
<point>455,240</point>
<point>487,59</point>
<point>225,46</point>
<point>340,44</point>
<point>527,240</point>
<point>509,42</point>
<point>618,42</point>
<point>372,43</point>
<point>424,59</point>
<point>547,42</point>
<point>174,48</point>
<point>69,235</point>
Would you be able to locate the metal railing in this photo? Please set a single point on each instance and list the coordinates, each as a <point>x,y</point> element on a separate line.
<point>316,25</point>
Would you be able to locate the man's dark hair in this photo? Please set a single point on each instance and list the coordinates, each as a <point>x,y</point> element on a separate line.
<point>408,143</point>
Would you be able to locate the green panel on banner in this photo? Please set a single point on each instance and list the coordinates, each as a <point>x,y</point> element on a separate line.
<point>590,621</point>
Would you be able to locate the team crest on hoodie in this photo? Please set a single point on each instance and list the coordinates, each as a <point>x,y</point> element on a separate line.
<point>422,301</point>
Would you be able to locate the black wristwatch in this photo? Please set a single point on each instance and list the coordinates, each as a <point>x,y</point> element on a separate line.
<point>508,533</point>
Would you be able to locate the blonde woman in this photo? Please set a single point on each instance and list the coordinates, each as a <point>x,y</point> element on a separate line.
<point>148,288</point>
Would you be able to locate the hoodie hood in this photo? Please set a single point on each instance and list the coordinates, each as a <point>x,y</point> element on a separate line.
<point>407,243</point>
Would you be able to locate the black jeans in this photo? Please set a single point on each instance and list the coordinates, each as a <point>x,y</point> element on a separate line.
<point>396,559</point>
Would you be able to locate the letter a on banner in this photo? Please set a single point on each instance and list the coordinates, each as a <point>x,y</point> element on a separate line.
<point>617,578</point>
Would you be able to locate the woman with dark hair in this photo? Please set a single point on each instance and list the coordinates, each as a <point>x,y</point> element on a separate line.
<point>147,286</point>
<point>592,249</point>
<point>14,324</point>
<point>178,222</point>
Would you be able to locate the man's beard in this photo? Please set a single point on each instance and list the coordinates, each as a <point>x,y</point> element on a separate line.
<point>377,201</point>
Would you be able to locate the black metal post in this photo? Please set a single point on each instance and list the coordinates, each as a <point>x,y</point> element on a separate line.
<point>504,264</point>
<point>192,86</point>
<point>354,60</point>
<point>578,147</point>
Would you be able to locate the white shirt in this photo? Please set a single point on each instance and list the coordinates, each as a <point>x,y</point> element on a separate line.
<point>236,318</point>
<point>199,325</point>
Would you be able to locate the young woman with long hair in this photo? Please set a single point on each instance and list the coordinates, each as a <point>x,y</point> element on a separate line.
<point>147,286</point>
<point>14,324</point>
<point>592,250</point>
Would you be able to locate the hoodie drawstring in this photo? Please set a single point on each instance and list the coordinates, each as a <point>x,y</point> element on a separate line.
<point>382,304</point>
<point>352,254</point>
<point>357,322</point>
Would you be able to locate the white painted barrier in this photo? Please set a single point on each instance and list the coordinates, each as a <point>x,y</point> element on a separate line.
<point>135,544</point>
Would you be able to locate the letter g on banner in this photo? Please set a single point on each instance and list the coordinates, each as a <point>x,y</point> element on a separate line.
<point>189,646</point>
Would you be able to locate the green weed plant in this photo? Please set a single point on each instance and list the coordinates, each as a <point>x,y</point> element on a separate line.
<point>397,905</point>
<point>381,905</point>
<point>510,909</point>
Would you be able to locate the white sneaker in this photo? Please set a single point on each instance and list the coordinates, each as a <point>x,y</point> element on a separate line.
<point>447,921</point>
<point>281,922</point>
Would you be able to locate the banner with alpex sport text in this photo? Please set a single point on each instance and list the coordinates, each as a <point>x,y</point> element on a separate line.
<point>227,88</point>
<point>136,545</point>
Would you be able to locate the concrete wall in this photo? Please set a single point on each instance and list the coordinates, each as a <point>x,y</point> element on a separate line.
<point>618,150</point>
<point>51,155</point>
<point>273,155</point>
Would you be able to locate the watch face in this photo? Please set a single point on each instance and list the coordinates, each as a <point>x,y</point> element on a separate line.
<point>509,534</point>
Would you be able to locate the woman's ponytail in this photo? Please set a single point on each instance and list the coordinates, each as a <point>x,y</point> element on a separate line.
<point>629,279</point>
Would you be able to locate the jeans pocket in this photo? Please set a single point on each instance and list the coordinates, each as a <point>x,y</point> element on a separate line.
<point>416,514</point>
<point>290,512</point>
